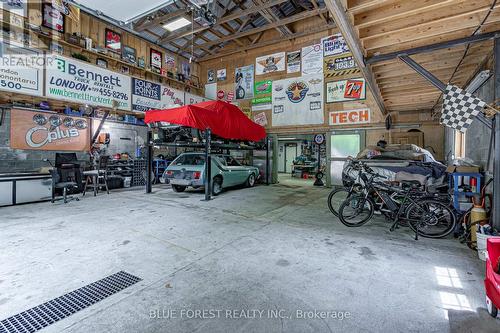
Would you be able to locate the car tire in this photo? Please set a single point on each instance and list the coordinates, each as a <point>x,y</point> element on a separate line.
<point>178,188</point>
<point>250,180</point>
<point>216,186</point>
<point>492,309</point>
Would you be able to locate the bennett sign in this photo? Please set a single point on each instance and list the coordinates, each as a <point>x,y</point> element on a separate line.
<point>350,117</point>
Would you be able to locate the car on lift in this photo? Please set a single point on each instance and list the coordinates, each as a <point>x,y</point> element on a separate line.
<point>188,170</point>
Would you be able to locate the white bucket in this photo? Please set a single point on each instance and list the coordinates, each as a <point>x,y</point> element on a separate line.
<point>481,245</point>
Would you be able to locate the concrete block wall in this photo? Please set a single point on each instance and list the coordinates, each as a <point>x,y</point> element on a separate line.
<point>124,138</point>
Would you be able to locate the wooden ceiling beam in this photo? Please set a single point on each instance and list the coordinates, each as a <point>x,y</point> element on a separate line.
<point>270,17</point>
<point>356,6</point>
<point>348,31</point>
<point>160,20</point>
<point>400,9</point>
<point>429,30</point>
<point>291,19</point>
<point>227,52</point>
<point>223,19</point>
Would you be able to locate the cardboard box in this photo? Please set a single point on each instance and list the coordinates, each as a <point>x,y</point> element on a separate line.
<point>466,169</point>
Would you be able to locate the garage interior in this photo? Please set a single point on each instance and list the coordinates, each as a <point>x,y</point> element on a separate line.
<point>250,166</point>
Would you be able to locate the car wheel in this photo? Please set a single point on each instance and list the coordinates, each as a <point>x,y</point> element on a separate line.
<point>250,180</point>
<point>216,186</point>
<point>492,309</point>
<point>178,188</point>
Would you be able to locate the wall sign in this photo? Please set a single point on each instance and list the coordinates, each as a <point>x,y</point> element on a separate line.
<point>48,131</point>
<point>221,74</point>
<point>298,101</point>
<point>21,73</point>
<point>263,87</point>
<point>243,82</point>
<point>156,60</point>
<point>350,117</point>
<point>340,65</point>
<point>270,63</point>
<point>169,62</point>
<point>262,103</point>
<point>193,99</point>
<point>230,96</point>
<point>312,59</point>
<point>319,139</point>
<point>148,95</point>
<point>293,62</point>
<point>211,76</point>
<point>129,54</point>
<point>52,18</point>
<point>260,119</point>
<point>113,41</point>
<point>78,82</point>
<point>345,90</point>
<point>334,45</point>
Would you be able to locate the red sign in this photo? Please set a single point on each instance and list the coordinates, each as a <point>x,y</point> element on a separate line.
<point>230,96</point>
<point>220,94</point>
<point>349,117</point>
<point>353,89</point>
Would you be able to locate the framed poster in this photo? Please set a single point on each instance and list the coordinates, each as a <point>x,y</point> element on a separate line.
<point>103,63</point>
<point>52,18</point>
<point>221,74</point>
<point>243,82</point>
<point>169,62</point>
<point>263,87</point>
<point>113,41</point>
<point>270,63</point>
<point>141,62</point>
<point>211,76</point>
<point>293,62</point>
<point>156,57</point>
<point>186,70</point>
<point>340,65</point>
<point>345,90</point>
<point>334,45</point>
<point>312,59</point>
<point>129,54</point>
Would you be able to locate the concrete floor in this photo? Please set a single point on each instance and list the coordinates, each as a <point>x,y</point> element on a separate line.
<point>261,249</point>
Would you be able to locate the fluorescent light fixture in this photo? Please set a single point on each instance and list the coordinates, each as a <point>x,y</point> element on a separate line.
<point>177,24</point>
<point>478,81</point>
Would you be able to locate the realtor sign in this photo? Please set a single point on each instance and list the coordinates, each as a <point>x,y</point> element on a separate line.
<point>350,117</point>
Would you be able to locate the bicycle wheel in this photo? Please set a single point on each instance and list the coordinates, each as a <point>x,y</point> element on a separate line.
<point>336,198</point>
<point>356,210</point>
<point>430,218</point>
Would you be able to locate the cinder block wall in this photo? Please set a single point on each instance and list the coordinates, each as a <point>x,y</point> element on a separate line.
<point>124,138</point>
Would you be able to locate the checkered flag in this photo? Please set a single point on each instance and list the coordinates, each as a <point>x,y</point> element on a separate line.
<point>459,108</point>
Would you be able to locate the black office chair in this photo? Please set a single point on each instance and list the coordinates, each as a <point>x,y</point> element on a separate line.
<point>66,177</point>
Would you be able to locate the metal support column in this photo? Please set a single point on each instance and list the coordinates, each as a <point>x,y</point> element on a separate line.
<point>149,161</point>
<point>496,154</point>
<point>268,169</point>
<point>208,162</point>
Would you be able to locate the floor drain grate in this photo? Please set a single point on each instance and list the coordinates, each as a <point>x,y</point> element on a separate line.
<point>61,307</point>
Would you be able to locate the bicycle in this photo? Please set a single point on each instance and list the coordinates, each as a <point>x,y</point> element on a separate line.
<point>426,216</point>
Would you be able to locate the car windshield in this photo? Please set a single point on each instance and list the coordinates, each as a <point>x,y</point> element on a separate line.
<point>189,159</point>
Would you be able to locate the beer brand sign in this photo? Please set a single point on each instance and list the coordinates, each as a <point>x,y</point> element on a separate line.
<point>48,131</point>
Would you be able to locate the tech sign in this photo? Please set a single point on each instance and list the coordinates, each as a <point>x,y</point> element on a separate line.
<point>350,117</point>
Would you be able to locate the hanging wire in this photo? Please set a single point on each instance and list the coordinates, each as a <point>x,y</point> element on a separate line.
<point>467,48</point>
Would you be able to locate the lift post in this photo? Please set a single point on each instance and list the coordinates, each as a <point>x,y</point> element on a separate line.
<point>496,141</point>
<point>268,142</point>
<point>149,161</point>
<point>208,162</point>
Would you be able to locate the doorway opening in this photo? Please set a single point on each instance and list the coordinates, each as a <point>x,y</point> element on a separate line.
<point>298,159</point>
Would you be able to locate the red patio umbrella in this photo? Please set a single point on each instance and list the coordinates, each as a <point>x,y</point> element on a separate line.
<point>224,119</point>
